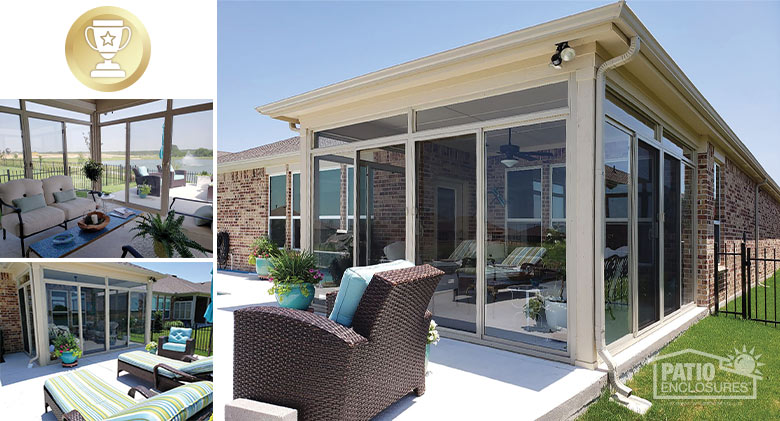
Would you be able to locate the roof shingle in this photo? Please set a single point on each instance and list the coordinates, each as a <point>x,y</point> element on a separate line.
<point>263,151</point>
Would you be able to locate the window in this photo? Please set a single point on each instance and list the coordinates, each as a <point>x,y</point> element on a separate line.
<point>524,204</point>
<point>59,112</point>
<point>558,197</point>
<point>277,210</point>
<point>296,215</point>
<point>182,310</point>
<point>11,150</point>
<point>148,108</point>
<point>375,129</point>
<point>12,103</point>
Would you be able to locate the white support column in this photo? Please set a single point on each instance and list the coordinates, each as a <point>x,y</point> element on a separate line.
<point>166,161</point>
<point>411,206</point>
<point>307,190</point>
<point>39,314</point>
<point>148,313</point>
<point>583,214</point>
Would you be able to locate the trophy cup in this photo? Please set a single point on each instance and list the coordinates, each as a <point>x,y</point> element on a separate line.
<point>108,37</point>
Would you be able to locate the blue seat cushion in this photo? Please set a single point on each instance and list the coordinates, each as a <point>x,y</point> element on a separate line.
<point>353,285</point>
<point>172,346</point>
<point>177,177</point>
<point>179,335</point>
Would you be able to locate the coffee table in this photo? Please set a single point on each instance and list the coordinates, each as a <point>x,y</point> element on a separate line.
<point>47,248</point>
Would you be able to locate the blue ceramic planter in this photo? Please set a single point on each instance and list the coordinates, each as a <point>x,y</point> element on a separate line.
<point>295,298</point>
<point>263,267</point>
<point>68,358</point>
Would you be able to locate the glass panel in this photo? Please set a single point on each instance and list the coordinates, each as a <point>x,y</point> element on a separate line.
<point>137,316</point>
<point>59,112</point>
<point>192,158</point>
<point>647,235</point>
<point>113,143</point>
<point>296,233</point>
<point>31,318</point>
<point>62,311</point>
<point>46,146</point>
<point>181,103</point>
<point>51,274</point>
<point>676,147</point>
<point>93,310</point>
<point>146,139</point>
<point>78,142</point>
<point>124,284</point>
<point>688,204</point>
<point>558,192</point>
<point>382,186</point>
<point>138,110</point>
<point>672,235</point>
<point>278,194</point>
<point>525,274</point>
<point>332,232</point>
<point>12,103</point>
<point>447,226</point>
<point>117,326</point>
<point>382,127</point>
<point>11,150</point>
<point>617,178</point>
<point>531,100</point>
<point>296,192</point>
<point>621,112</point>
<point>23,312</point>
<point>277,232</point>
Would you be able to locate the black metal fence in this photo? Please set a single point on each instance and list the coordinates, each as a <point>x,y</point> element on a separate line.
<point>747,281</point>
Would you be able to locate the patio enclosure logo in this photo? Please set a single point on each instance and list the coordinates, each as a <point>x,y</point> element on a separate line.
<point>107,48</point>
<point>693,374</point>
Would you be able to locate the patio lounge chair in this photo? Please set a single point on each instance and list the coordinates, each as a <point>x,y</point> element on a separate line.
<point>178,177</point>
<point>154,181</point>
<point>518,267</point>
<point>80,395</point>
<point>197,228</point>
<point>165,373</point>
<point>53,214</point>
<point>182,346</point>
<point>326,371</point>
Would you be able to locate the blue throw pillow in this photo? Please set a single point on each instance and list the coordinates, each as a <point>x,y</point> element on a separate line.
<point>179,335</point>
<point>64,196</point>
<point>353,285</point>
<point>26,204</point>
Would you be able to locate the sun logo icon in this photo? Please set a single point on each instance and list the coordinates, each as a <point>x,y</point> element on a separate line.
<point>744,362</point>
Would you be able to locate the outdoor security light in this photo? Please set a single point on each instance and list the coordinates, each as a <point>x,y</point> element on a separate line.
<point>562,53</point>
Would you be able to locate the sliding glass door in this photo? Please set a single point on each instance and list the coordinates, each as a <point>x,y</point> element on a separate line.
<point>647,235</point>
<point>93,310</point>
<point>118,318</point>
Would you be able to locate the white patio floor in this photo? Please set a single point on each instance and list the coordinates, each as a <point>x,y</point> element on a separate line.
<point>466,381</point>
<point>21,388</point>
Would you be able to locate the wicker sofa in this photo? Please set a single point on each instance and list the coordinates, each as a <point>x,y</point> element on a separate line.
<point>326,371</point>
<point>27,224</point>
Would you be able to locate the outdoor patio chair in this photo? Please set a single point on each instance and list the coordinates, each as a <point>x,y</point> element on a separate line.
<point>165,373</point>
<point>152,180</point>
<point>178,177</point>
<point>179,343</point>
<point>326,371</point>
<point>80,395</point>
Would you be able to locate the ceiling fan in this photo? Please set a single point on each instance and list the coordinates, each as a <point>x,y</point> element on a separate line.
<point>510,153</point>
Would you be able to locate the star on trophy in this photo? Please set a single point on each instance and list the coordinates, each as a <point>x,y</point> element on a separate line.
<point>108,41</point>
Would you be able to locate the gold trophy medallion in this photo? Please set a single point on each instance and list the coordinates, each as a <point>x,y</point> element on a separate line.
<point>107,48</point>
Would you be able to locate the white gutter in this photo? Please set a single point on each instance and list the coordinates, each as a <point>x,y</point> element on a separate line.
<point>601,346</point>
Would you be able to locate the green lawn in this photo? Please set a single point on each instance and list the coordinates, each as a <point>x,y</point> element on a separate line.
<point>757,296</point>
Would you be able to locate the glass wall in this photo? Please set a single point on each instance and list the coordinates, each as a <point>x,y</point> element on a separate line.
<point>525,252</point>
<point>446,173</point>
<point>137,316</point>
<point>277,209</point>
<point>93,309</point>
<point>382,205</point>
<point>333,221</point>
<point>46,147</point>
<point>118,319</point>
<point>11,149</point>
<point>296,214</point>
<point>78,146</point>
<point>146,140</point>
<point>113,142</point>
<point>192,157</point>
<point>62,308</point>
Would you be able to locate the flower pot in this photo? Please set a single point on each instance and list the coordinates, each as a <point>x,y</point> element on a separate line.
<point>151,351</point>
<point>159,250</point>
<point>142,195</point>
<point>555,312</point>
<point>299,297</point>
<point>263,266</point>
<point>68,358</point>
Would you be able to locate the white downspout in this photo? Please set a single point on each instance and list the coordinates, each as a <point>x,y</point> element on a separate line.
<point>601,346</point>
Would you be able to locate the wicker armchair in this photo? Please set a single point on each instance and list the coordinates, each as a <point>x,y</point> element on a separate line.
<point>189,351</point>
<point>326,371</point>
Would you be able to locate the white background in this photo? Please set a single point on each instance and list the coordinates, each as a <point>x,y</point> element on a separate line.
<point>183,62</point>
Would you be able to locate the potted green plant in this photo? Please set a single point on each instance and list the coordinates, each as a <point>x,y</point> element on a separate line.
<point>260,254</point>
<point>93,170</point>
<point>294,274</point>
<point>66,348</point>
<point>151,347</point>
<point>534,308</point>
<point>144,190</point>
<point>167,235</point>
<point>433,339</point>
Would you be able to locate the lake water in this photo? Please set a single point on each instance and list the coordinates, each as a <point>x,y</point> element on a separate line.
<point>188,163</point>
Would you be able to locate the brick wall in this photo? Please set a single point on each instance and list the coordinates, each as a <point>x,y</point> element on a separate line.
<point>242,198</point>
<point>10,317</point>
<point>705,261</point>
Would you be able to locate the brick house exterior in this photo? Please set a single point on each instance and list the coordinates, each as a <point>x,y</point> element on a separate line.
<point>10,315</point>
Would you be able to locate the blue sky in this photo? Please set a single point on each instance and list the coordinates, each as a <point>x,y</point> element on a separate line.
<point>191,271</point>
<point>272,50</point>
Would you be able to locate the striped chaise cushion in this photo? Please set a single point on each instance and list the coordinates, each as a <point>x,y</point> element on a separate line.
<point>92,397</point>
<point>147,361</point>
<point>522,255</point>
<point>176,404</point>
<point>466,248</point>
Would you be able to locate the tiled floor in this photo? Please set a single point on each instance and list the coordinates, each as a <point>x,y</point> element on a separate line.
<point>21,388</point>
<point>466,381</point>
